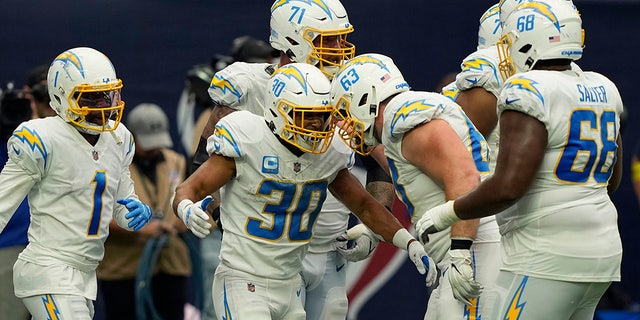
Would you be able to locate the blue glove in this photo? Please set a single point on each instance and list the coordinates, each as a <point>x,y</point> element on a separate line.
<point>139,213</point>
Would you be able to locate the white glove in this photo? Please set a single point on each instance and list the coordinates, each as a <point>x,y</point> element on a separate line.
<point>365,243</point>
<point>404,240</point>
<point>423,262</point>
<point>436,219</point>
<point>195,217</point>
<point>461,278</point>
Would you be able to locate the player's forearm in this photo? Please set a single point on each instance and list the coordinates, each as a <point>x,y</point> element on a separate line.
<point>465,229</point>
<point>383,192</point>
<point>381,221</point>
<point>486,200</point>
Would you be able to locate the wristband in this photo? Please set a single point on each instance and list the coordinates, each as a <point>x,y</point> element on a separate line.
<point>461,243</point>
<point>402,238</point>
<point>445,216</point>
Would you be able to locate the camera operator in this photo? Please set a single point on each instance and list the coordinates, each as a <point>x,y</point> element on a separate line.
<point>35,89</point>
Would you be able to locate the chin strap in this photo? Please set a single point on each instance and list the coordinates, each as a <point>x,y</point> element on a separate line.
<point>114,135</point>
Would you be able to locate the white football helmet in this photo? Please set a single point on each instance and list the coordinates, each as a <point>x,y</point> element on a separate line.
<point>85,91</point>
<point>356,92</point>
<point>506,7</point>
<point>489,31</point>
<point>539,30</point>
<point>298,109</point>
<point>295,24</point>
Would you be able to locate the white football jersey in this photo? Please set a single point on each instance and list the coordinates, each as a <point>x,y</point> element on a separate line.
<point>565,227</point>
<point>416,190</point>
<point>450,91</point>
<point>269,208</point>
<point>242,86</point>
<point>480,69</point>
<point>72,188</point>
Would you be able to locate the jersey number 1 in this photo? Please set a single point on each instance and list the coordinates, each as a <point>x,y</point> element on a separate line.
<point>100,181</point>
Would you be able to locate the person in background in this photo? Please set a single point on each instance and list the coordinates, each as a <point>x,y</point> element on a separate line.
<point>35,89</point>
<point>156,170</point>
<point>14,109</point>
<point>635,171</point>
<point>194,106</point>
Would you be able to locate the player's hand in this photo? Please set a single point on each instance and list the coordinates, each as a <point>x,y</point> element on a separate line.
<point>139,213</point>
<point>436,219</point>
<point>423,262</point>
<point>194,217</point>
<point>461,278</point>
<point>365,242</point>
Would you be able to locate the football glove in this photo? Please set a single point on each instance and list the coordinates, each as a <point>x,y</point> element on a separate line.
<point>425,265</point>
<point>461,277</point>
<point>138,215</point>
<point>423,262</point>
<point>194,216</point>
<point>363,244</point>
<point>436,219</point>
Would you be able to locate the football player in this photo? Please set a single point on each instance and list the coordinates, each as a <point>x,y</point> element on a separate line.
<point>477,88</point>
<point>427,140</point>
<point>312,32</point>
<point>561,160</point>
<point>276,171</point>
<point>75,169</point>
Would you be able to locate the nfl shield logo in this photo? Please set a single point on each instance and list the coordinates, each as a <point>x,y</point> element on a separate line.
<point>296,167</point>
<point>95,155</point>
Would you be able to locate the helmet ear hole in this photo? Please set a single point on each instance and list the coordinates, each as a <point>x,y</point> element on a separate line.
<point>293,42</point>
<point>364,98</point>
<point>525,48</point>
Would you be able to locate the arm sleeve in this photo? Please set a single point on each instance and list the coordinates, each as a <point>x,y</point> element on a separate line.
<point>200,155</point>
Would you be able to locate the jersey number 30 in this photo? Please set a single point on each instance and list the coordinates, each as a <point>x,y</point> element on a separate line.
<point>295,213</point>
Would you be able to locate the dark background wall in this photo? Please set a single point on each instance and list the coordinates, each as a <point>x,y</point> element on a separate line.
<point>153,43</point>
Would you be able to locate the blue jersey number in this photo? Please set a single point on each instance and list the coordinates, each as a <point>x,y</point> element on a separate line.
<point>593,159</point>
<point>295,213</point>
<point>100,181</point>
<point>479,149</point>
